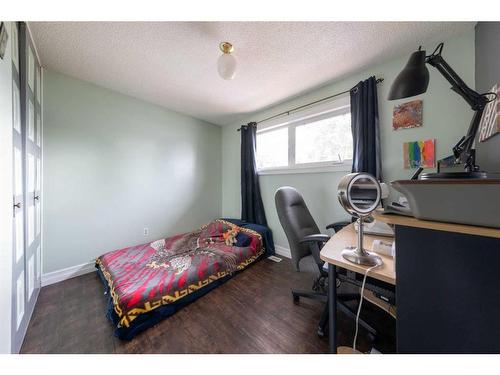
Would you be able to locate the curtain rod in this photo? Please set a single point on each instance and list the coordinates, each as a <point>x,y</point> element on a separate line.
<point>309,104</point>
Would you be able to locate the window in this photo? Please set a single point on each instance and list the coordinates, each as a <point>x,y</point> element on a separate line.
<point>315,140</point>
<point>272,148</point>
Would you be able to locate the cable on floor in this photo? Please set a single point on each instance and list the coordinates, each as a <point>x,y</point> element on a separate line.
<point>360,303</point>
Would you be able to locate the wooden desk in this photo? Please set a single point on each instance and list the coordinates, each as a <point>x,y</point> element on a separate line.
<point>447,284</point>
<point>436,225</point>
<point>331,254</point>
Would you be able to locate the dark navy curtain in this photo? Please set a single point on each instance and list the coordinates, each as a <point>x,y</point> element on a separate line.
<point>365,128</point>
<point>252,208</point>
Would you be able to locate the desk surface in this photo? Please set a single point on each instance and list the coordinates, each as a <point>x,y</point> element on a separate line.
<point>436,225</point>
<point>331,253</point>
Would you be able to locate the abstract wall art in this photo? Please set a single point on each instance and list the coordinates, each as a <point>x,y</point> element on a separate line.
<point>407,115</point>
<point>419,154</point>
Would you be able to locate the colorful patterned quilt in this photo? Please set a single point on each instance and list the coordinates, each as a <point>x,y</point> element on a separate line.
<point>144,277</point>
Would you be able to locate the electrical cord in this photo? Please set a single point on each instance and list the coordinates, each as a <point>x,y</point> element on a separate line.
<point>360,303</point>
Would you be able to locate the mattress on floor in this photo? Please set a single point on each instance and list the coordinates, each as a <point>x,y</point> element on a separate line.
<point>148,282</point>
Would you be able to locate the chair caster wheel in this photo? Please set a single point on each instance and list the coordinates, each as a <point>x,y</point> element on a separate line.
<point>321,332</point>
<point>296,299</point>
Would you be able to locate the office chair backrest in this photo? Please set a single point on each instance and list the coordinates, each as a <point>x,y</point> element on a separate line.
<point>296,221</point>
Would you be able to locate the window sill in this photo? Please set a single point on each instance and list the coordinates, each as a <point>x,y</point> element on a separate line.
<point>345,167</point>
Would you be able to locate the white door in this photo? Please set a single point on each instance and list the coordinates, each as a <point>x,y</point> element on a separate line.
<point>27,180</point>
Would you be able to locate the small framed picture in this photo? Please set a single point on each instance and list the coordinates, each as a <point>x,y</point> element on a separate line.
<point>407,115</point>
<point>4,37</point>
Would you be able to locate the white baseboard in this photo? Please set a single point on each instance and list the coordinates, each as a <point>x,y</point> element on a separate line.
<point>283,251</point>
<point>67,273</point>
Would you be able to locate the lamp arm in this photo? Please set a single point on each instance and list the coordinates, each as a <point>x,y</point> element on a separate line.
<point>462,151</point>
<point>473,98</point>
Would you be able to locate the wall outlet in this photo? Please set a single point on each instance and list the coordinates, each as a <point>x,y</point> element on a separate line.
<point>146,231</point>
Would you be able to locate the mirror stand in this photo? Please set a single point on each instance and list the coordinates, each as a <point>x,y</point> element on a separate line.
<point>359,255</point>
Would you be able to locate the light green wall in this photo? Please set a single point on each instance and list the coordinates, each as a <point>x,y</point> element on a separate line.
<point>6,254</point>
<point>445,118</point>
<point>114,165</point>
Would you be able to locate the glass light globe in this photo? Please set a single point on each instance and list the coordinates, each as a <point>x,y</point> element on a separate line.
<point>226,66</point>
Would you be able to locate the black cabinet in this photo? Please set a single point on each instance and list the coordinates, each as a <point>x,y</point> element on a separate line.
<point>448,292</point>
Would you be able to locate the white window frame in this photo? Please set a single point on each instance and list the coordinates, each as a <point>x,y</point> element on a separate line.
<point>319,112</point>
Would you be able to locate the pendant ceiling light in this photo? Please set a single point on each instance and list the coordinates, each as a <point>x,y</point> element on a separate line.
<point>226,64</point>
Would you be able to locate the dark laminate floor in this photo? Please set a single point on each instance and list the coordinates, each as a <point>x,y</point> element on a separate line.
<point>251,313</point>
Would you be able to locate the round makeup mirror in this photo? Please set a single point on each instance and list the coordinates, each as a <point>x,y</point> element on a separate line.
<point>360,195</point>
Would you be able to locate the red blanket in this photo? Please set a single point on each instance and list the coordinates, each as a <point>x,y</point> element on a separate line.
<point>144,277</point>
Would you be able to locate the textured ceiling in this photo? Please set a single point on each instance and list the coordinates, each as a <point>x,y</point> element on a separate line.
<point>173,64</point>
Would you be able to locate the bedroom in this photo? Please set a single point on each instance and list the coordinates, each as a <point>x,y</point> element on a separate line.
<point>134,229</point>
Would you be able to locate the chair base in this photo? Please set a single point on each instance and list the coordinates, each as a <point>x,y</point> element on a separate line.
<point>341,299</point>
<point>306,294</point>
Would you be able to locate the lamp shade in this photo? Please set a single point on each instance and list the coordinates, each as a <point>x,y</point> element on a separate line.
<point>226,66</point>
<point>412,80</point>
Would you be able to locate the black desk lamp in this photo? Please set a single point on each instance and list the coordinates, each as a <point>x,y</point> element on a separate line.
<point>414,79</point>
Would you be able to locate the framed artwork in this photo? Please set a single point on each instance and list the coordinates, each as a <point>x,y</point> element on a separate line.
<point>407,115</point>
<point>419,154</point>
<point>490,122</point>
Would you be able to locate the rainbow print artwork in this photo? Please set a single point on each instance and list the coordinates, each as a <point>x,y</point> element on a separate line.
<point>419,154</point>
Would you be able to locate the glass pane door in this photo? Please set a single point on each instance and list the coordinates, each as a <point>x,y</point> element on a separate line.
<point>27,140</point>
<point>32,143</point>
<point>19,222</point>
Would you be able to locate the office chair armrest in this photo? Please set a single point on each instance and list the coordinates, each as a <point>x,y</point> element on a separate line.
<point>315,238</point>
<point>338,225</point>
<point>315,243</point>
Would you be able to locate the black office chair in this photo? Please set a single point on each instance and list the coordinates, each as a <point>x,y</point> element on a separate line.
<point>306,240</point>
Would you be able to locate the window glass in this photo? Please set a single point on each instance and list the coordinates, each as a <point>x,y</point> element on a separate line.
<point>325,140</point>
<point>15,51</point>
<point>31,173</point>
<point>38,174</point>
<point>31,224</point>
<point>38,219</point>
<point>18,172</point>
<point>272,148</point>
<point>38,85</point>
<point>16,113</point>
<point>31,276</point>
<point>19,233</point>
<point>31,122</point>
<point>38,130</point>
<point>31,69</point>
<point>315,140</point>
<point>20,298</point>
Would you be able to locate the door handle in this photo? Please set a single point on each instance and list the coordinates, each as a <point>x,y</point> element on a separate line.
<point>17,205</point>
<point>36,197</point>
